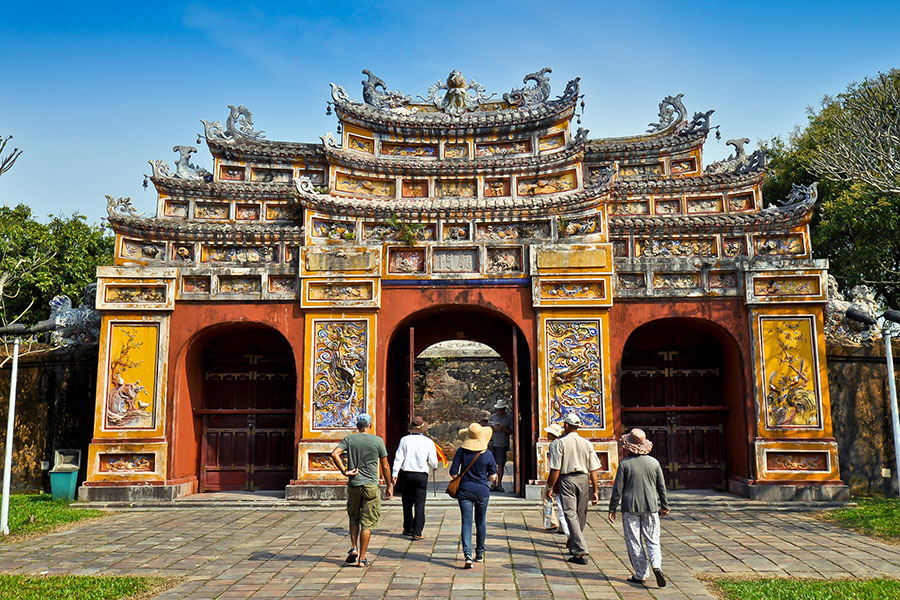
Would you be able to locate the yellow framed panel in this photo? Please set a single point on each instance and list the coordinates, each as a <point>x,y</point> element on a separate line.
<point>136,289</point>
<point>572,291</point>
<point>781,287</point>
<point>131,377</point>
<point>791,377</point>
<point>574,369</point>
<point>340,293</point>
<point>314,462</point>
<point>339,371</point>
<point>324,262</point>
<point>581,259</point>
<point>127,462</point>
<point>797,461</point>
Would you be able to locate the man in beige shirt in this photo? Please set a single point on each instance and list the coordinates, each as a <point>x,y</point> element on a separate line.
<point>573,461</point>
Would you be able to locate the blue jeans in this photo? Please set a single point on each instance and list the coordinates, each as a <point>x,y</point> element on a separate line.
<point>469,503</point>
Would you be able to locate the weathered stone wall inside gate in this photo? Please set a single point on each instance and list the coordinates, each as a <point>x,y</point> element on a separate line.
<point>54,410</point>
<point>861,415</point>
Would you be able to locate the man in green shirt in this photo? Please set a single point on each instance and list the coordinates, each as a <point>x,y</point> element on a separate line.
<point>365,454</point>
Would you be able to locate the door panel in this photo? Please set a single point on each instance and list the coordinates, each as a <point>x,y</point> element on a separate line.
<point>674,395</point>
<point>248,422</point>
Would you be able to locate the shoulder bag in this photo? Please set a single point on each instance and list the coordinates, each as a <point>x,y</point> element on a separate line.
<point>453,486</point>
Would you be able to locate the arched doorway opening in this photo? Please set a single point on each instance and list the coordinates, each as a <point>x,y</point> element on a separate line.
<point>427,328</point>
<point>247,411</point>
<point>681,382</point>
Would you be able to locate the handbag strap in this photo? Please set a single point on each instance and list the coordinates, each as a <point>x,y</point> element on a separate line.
<point>466,470</point>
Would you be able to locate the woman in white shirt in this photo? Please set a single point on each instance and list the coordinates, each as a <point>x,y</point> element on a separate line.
<point>416,456</point>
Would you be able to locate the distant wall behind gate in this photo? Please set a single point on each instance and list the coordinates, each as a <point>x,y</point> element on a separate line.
<point>54,410</point>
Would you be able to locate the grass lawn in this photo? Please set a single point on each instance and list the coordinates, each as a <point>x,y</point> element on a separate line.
<point>80,587</point>
<point>40,513</point>
<point>793,589</point>
<point>878,517</point>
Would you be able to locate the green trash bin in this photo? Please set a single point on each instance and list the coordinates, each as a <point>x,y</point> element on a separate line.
<point>63,481</point>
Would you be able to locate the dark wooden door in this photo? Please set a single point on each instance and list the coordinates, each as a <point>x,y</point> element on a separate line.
<point>248,422</point>
<point>675,396</point>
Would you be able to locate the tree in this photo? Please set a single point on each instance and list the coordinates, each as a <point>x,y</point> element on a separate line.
<point>857,222</point>
<point>6,162</point>
<point>859,139</point>
<point>41,260</point>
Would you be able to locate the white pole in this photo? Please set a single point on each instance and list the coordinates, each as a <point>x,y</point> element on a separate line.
<point>10,422</point>
<point>892,386</point>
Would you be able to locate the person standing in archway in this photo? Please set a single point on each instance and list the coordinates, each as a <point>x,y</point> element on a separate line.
<point>574,463</point>
<point>366,454</point>
<point>502,425</point>
<point>416,457</point>
<point>475,467</point>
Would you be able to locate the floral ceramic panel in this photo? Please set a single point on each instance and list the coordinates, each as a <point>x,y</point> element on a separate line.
<point>790,372</point>
<point>779,245</point>
<point>786,286</point>
<point>195,284</point>
<point>364,185</point>
<point>503,148</point>
<point>239,254</point>
<point>176,209</point>
<point>320,461</point>
<point>341,291</point>
<point>211,211</point>
<point>272,175</point>
<point>340,356</point>
<point>128,294</point>
<point>232,173</point>
<point>455,188</point>
<point>426,150</point>
<point>456,151</point>
<point>504,260</point>
<point>131,369</point>
<point>406,261</point>
<point>573,369</point>
<point>552,142</point>
<point>361,144</point>
<point>333,230</point>
<point>496,188</point>
<point>581,226</point>
<point>683,166</point>
<point>239,284</point>
<point>573,290</point>
<point>282,285</point>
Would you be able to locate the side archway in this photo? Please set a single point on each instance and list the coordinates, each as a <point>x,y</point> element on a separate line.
<point>682,381</point>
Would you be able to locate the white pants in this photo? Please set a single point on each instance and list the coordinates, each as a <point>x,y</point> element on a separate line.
<point>563,525</point>
<point>642,530</point>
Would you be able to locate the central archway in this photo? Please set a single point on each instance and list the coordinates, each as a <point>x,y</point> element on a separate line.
<point>493,329</point>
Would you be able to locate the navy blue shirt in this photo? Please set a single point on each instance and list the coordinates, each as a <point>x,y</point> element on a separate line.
<point>475,481</point>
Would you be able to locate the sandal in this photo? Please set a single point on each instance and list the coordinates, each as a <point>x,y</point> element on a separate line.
<point>363,562</point>
<point>351,556</point>
<point>634,579</point>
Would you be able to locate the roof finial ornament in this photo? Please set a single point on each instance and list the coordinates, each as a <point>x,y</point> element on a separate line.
<point>238,126</point>
<point>739,162</point>
<point>184,168</point>
<point>460,96</point>
<point>668,109</point>
<point>800,194</point>
<point>375,93</point>
<point>121,207</point>
<point>528,96</point>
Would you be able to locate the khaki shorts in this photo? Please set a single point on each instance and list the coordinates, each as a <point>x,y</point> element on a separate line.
<point>364,505</point>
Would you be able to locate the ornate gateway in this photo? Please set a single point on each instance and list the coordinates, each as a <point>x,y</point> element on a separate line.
<point>619,279</point>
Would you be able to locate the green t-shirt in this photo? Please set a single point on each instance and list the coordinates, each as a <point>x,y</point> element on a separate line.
<point>363,451</point>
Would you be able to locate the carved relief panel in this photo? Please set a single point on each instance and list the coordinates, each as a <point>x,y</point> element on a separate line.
<point>573,362</point>
<point>789,372</point>
<point>340,370</point>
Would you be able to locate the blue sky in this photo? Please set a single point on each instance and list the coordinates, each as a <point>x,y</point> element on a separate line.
<point>92,91</point>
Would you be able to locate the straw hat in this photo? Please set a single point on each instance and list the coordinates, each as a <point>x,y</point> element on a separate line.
<point>477,437</point>
<point>636,442</point>
<point>554,429</point>
<point>462,433</point>
<point>417,425</point>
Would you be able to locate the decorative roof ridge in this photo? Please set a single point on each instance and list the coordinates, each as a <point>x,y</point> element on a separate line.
<point>228,189</point>
<point>632,185</point>
<point>196,230</point>
<point>673,121</point>
<point>795,210</point>
<point>358,160</point>
<point>636,143</point>
<point>434,207</point>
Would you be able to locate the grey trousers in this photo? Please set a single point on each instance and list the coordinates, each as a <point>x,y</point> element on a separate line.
<point>574,493</point>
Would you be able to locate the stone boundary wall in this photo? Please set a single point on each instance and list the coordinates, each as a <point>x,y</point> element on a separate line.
<point>861,414</point>
<point>54,410</point>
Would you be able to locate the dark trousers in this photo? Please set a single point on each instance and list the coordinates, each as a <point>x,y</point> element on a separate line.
<point>413,487</point>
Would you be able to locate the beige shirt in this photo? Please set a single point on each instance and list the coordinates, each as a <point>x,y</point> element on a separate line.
<point>572,454</point>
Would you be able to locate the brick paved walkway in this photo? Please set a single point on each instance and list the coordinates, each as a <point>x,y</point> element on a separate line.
<point>274,553</point>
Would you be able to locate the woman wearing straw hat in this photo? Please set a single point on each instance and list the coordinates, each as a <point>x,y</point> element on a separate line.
<point>478,469</point>
<point>642,488</point>
<point>416,456</point>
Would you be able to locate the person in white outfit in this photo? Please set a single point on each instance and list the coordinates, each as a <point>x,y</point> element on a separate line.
<point>641,486</point>
<point>416,456</point>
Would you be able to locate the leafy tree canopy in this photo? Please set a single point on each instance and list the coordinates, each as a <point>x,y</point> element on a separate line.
<point>41,260</point>
<point>857,226</point>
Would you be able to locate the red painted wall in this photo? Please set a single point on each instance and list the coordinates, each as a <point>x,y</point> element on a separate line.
<point>193,326</point>
<point>727,321</point>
